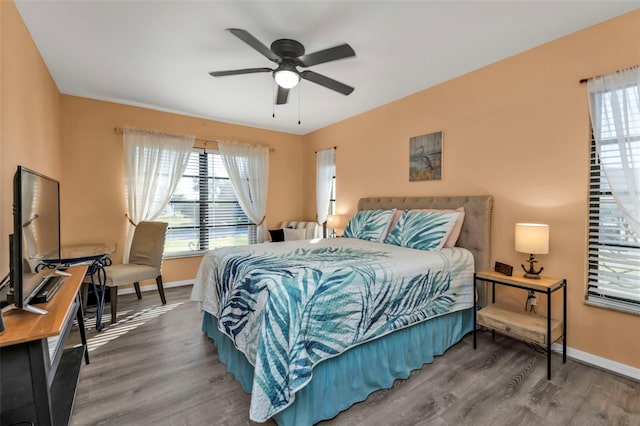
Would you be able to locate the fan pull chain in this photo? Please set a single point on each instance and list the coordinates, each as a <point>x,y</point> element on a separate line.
<point>299,90</point>
<point>273,104</point>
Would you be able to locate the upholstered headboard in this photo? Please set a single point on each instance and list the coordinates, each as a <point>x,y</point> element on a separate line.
<point>476,229</point>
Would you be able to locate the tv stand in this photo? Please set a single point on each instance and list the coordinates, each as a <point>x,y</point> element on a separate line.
<point>39,376</point>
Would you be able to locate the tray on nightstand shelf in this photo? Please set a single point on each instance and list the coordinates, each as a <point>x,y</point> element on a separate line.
<point>527,326</point>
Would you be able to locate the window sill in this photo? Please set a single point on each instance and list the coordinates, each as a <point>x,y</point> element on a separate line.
<point>627,308</point>
<point>184,255</point>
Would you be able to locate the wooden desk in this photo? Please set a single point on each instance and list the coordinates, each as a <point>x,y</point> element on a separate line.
<point>39,377</point>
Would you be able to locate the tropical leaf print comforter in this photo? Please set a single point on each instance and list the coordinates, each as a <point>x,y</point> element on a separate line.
<point>288,306</point>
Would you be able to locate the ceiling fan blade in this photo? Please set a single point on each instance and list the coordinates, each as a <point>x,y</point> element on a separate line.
<point>327,82</point>
<point>327,55</point>
<point>281,97</point>
<point>255,43</point>
<point>236,72</point>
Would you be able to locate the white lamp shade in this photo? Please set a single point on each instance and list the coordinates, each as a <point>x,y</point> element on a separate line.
<point>286,79</point>
<point>532,238</point>
<point>336,221</point>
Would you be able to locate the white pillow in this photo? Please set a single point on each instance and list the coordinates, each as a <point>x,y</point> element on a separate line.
<point>294,234</point>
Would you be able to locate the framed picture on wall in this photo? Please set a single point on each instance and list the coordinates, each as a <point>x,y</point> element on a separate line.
<point>425,157</point>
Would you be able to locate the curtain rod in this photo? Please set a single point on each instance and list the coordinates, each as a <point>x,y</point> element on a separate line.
<point>584,80</point>
<point>118,130</point>
<point>334,147</point>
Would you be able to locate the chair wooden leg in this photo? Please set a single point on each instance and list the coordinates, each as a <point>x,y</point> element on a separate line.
<point>161,289</point>
<point>136,285</point>
<point>113,295</point>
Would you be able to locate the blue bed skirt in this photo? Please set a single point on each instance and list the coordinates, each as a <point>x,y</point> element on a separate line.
<point>349,378</point>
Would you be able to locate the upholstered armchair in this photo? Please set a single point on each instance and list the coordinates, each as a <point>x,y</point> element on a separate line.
<point>312,229</point>
<point>145,262</point>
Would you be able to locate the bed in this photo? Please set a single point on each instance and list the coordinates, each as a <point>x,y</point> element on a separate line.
<point>311,327</point>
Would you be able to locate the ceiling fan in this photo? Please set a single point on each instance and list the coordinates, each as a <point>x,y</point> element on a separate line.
<point>289,54</point>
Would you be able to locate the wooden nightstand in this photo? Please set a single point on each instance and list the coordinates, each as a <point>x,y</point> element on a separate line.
<point>522,325</point>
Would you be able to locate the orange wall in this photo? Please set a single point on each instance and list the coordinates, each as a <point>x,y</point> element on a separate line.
<point>93,170</point>
<point>518,130</point>
<point>29,116</point>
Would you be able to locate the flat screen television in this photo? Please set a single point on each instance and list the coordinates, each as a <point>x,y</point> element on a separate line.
<point>36,233</point>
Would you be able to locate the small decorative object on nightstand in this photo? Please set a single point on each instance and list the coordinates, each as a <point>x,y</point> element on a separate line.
<point>503,268</point>
<point>527,326</point>
<point>532,238</point>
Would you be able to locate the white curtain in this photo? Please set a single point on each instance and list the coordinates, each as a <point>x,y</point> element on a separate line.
<point>154,163</point>
<point>248,169</point>
<point>325,171</point>
<point>614,103</point>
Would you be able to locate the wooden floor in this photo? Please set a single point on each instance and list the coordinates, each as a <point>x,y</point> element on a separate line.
<point>155,367</point>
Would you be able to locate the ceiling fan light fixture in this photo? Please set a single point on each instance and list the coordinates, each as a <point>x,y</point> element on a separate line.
<point>286,79</point>
<point>289,54</point>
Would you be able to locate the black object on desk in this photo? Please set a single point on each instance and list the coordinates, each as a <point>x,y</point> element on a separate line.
<point>47,291</point>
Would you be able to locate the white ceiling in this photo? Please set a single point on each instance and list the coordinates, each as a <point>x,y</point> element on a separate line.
<point>157,54</point>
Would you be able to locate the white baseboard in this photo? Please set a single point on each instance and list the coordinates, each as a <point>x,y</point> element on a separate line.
<point>587,358</point>
<point>153,287</point>
<point>597,361</point>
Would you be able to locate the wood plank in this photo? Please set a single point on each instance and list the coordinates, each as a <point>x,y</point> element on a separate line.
<point>542,284</point>
<point>519,324</point>
<point>22,326</point>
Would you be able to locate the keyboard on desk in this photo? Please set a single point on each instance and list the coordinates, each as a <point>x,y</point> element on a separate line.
<point>51,285</point>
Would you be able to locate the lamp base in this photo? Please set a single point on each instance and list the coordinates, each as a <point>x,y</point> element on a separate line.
<point>533,276</point>
<point>532,273</point>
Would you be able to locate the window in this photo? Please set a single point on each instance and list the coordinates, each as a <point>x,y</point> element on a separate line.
<point>204,212</point>
<point>614,248</point>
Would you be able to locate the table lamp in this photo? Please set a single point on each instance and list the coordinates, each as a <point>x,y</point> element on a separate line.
<point>336,221</point>
<point>532,238</point>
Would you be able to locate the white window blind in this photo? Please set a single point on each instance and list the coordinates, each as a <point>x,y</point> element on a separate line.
<point>614,248</point>
<point>204,212</point>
